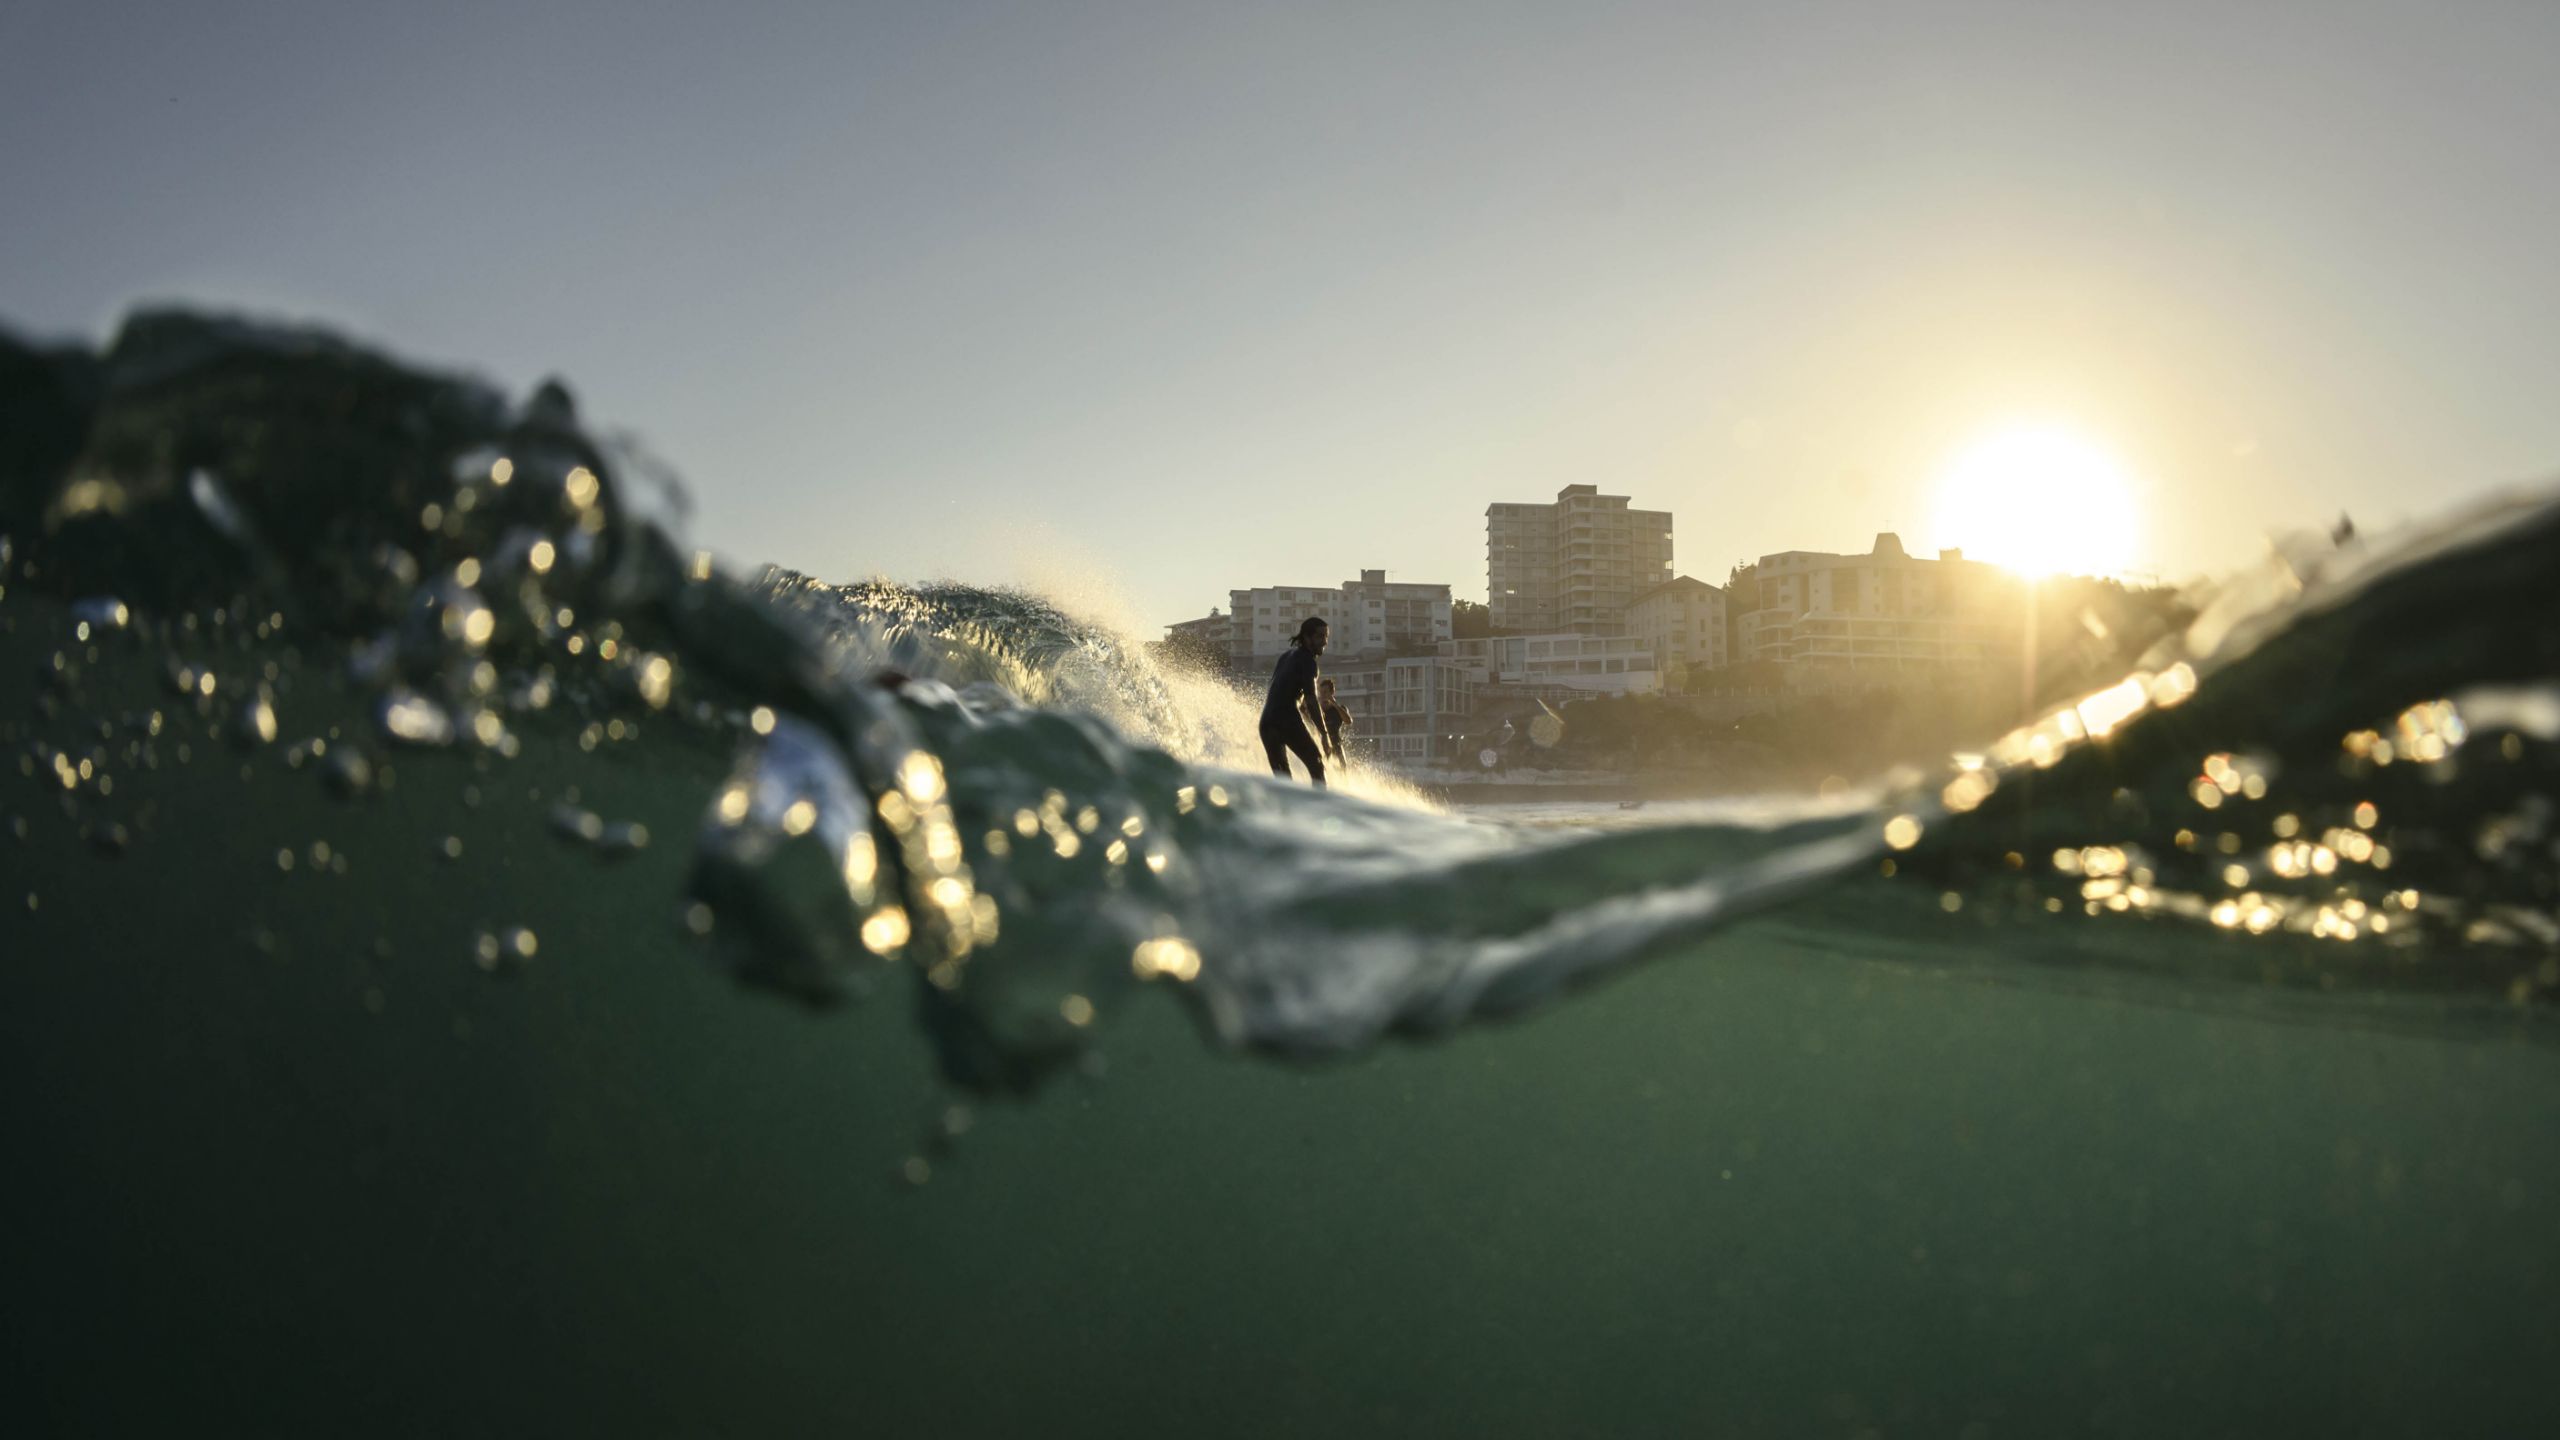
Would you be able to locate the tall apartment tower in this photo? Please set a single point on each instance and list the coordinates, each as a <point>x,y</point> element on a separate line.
<point>1574,566</point>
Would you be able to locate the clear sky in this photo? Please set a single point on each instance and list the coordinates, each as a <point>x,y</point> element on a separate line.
<point>1151,300</point>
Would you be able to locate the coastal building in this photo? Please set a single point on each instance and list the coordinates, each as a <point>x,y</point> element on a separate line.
<point>1683,620</point>
<point>1574,565</point>
<point>1599,664</point>
<point>1405,708</point>
<point>1207,635</point>
<point>1884,610</point>
<point>1369,616</point>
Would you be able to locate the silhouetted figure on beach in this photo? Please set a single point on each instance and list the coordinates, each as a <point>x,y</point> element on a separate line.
<point>1332,720</point>
<point>1293,684</point>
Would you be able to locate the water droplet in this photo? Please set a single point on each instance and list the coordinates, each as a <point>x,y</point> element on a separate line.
<point>413,719</point>
<point>1171,957</point>
<point>886,931</point>
<point>505,951</point>
<point>572,823</point>
<point>347,774</point>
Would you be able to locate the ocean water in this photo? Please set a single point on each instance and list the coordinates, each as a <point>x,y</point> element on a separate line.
<point>474,966</point>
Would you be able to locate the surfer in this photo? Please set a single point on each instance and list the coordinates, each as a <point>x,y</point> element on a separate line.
<point>1332,721</point>
<point>1293,683</point>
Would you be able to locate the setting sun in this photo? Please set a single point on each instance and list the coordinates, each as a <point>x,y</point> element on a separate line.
<point>2040,500</point>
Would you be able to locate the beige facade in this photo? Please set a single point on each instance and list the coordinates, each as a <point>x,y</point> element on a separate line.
<point>1609,663</point>
<point>1403,708</point>
<point>1369,616</point>
<point>1574,565</point>
<point>1211,630</point>
<point>1881,610</point>
<point>1683,621</point>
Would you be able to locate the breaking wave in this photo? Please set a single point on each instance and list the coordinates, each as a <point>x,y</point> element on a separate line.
<point>2336,782</point>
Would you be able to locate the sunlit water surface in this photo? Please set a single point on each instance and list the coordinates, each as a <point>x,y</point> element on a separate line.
<point>474,966</point>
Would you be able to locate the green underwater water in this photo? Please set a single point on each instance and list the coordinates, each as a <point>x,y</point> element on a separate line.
<point>287,1159</point>
<point>2181,1066</point>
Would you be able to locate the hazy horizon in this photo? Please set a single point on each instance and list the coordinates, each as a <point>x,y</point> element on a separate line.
<point>1141,303</point>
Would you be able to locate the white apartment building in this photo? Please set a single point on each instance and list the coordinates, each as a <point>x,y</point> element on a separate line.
<point>1572,566</point>
<point>1884,609</point>
<point>1369,616</point>
<point>1683,619</point>
<point>1615,664</point>
<point>1402,706</point>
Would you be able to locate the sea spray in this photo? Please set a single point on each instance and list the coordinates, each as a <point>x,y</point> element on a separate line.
<point>1012,814</point>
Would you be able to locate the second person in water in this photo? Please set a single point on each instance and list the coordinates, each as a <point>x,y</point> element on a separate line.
<point>1335,719</point>
<point>1293,685</point>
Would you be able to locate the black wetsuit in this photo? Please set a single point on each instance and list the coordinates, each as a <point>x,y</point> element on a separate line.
<point>1283,733</point>
<point>1336,719</point>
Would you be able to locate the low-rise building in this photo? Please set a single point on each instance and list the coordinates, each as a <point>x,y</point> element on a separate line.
<point>1683,620</point>
<point>1405,708</point>
<point>1884,610</point>
<point>1618,664</point>
<point>1369,616</point>
<point>1206,635</point>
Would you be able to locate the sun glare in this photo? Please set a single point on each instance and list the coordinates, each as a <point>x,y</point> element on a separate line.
<point>2040,500</point>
